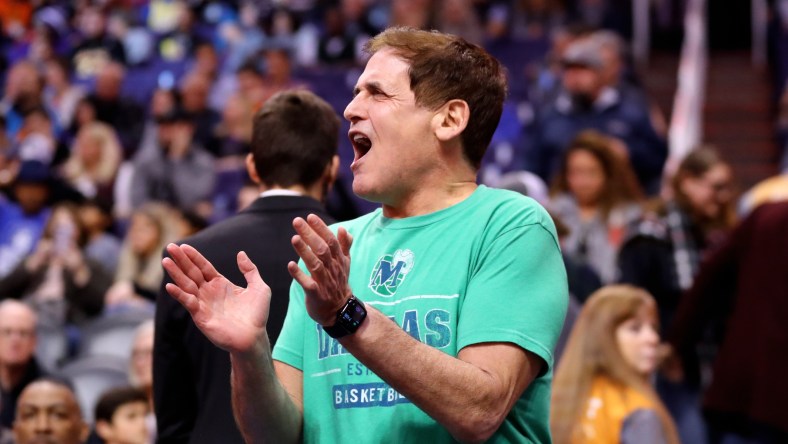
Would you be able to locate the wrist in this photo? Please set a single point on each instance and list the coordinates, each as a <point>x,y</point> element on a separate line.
<point>348,319</point>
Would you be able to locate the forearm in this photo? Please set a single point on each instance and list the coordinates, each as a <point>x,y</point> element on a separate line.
<point>264,411</point>
<point>464,398</point>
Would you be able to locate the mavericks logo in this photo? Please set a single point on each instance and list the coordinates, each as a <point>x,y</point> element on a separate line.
<point>390,271</point>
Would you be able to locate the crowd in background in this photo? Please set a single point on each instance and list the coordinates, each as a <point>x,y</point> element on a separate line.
<point>124,125</point>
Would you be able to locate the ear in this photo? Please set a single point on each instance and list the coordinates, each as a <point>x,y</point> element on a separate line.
<point>252,169</point>
<point>451,120</point>
<point>103,430</point>
<point>332,170</point>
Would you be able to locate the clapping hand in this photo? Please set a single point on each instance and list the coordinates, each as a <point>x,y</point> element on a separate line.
<point>231,317</point>
<point>327,257</point>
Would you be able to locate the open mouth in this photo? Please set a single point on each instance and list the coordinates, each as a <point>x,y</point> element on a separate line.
<point>361,144</point>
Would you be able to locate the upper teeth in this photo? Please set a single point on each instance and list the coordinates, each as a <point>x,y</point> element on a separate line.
<point>359,138</point>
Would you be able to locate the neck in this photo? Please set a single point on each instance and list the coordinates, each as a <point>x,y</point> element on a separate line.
<point>587,210</point>
<point>429,200</point>
<point>315,191</point>
<point>10,375</point>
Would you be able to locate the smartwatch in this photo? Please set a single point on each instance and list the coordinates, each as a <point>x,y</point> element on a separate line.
<point>349,319</point>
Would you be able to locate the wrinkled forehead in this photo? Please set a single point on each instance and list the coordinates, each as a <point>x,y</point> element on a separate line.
<point>387,68</point>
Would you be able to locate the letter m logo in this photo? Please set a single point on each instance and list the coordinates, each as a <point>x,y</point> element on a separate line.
<point>390,271</point>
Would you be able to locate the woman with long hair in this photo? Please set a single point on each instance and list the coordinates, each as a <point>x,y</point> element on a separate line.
<point>602,392</point>
<point>139,272</point>
<point>596,194</point>
<point>94,161</point>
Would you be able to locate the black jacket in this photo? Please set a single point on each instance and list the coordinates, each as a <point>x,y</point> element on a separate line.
<point>191,376</point>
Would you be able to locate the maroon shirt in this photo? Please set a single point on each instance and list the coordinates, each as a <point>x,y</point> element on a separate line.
<point>747,275</point>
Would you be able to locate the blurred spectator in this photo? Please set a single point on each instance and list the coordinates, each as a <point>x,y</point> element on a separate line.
<point>141,370</point>
<point>97,49</point>
<point>139,270</point>
<point>22,222</point>
<point>337,45</point>
<point>596,195</point>
<point>180,173</point>
<point>589,101</point>
<point>23,89</point>
<point>36,139</point>
<point>743,284</point>
<point>194,89</point>
<point>179,44</point>
<point>251,83</point>
<point>608,14</point>
<point>412,13</point>
<point>602,391</point>
<point>84,113</point>
<point>163,103</point>
<point>57,279</point>
<point>278,74</point>
<point>122,114</point>
<point>524,19</point>
<point>94,161</point>
<point>60,95</point>
<point>18,365</point>
<point>101,246</point>
<point>235,136</point>
<point>662,253</point>
<point>120,416</point>
<point>137,40</point>
<point>458,17</point>
<point>48,411</point>
<point>243,38</point>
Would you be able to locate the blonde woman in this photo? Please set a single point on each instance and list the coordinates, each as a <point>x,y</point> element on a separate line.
<point>602,392</point>
<point>139,273</point>
<point>94,161</point>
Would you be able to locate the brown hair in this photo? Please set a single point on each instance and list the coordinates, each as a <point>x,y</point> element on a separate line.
<point>591,351</point>
<point>444,67</point>
<point>621,185</point>
<point>694,165</point>
<point>294,138</point>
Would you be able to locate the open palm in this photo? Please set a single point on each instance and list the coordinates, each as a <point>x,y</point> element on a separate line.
<point>230,316</point>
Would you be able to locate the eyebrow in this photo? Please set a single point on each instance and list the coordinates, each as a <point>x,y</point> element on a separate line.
<point>371,85</point>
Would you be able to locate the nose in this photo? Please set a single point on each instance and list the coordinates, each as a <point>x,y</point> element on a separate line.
<point>353,110</point>
<point>43,424</point>
<point>650,335</point>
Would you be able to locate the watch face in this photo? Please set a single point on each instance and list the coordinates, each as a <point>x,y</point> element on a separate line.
<point>353,314</point>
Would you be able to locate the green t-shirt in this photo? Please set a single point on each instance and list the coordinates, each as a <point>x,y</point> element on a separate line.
<point>488,269</point>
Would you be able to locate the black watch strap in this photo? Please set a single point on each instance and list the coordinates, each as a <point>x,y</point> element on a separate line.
<point>349,319</point>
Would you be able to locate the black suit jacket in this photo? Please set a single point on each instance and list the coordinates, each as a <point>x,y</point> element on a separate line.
<point>191,376</point>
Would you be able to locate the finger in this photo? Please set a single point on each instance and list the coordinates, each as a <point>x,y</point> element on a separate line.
<point>189,301</point>
<point>206,268</point>
<point>311,261</point>
<point>250,272</point>
<point>307,283</point>
<point>325,233</point>
<point>312,240</point>
<point>178,276</point>
<point>185,264</point>
<point>345,240</point>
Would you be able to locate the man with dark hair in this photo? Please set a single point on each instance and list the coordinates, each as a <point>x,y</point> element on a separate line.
<point>120,416</point>
<point>294,163</point>
<point>442,327</point>
<point>48,412</point>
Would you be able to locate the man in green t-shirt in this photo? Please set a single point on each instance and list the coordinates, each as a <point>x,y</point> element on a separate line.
<point>471,277</point>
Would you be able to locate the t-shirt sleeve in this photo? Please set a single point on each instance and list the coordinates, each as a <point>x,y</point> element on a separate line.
<point>643,427</point>
<point>289,347</point>
<point>518,293</point>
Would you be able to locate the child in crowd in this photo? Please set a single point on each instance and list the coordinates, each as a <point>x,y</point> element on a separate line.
<point>120,416</point>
